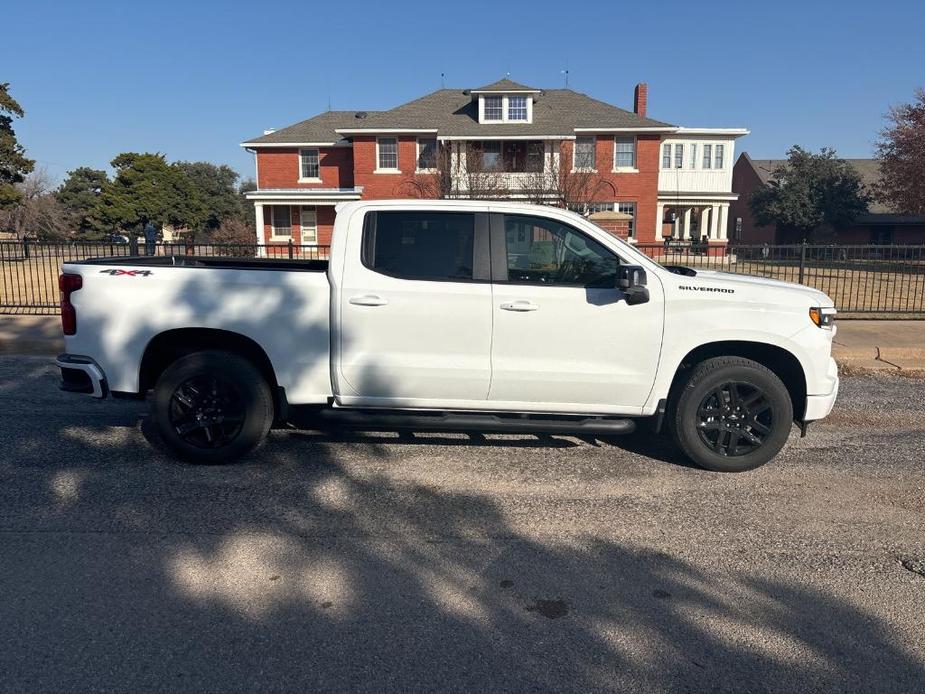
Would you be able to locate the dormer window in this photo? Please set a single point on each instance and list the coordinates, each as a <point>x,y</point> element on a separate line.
<point>517,108</point>
<point>494,107</point>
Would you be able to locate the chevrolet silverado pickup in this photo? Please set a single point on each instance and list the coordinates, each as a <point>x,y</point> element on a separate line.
<point>467,316</point>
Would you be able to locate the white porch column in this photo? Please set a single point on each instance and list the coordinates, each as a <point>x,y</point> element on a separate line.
<point>676,225</point>
<point>724,222</point>
<point>687,223</point>
<point>659,218</point>
<point>258,225</point>
<point>714,221</point>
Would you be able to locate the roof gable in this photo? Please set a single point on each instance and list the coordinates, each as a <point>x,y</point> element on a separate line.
<point>505,85</point>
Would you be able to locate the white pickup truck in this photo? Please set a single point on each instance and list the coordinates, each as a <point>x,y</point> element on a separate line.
<point>452,316</point>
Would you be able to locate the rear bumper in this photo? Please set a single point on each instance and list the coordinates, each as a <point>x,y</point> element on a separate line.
<point>819,406</point>
<point>82,375</point>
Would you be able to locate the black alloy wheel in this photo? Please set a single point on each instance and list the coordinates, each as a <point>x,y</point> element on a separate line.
<point>735,418</point>
<point>207,411</point>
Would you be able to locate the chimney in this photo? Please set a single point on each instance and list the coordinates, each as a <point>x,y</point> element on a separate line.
<point>640,99</point>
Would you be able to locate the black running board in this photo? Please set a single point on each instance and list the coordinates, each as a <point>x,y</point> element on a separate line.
<point>391,420</point>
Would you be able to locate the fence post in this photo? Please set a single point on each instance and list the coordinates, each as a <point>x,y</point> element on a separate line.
<point>802,261</point>
<point>290,249</point>
<point>25,247</point>
<point>133,245</point>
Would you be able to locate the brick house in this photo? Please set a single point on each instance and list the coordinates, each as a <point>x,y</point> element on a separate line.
<point>881,225</point>
<point>554,146</point>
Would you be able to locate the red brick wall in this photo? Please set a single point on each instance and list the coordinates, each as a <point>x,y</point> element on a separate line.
<point>744,182</point>
<point>278,167</point>
<point>378,186</point>
<point>641,188</point>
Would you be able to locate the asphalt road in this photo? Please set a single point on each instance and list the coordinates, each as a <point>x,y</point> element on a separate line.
<point>440,562</point>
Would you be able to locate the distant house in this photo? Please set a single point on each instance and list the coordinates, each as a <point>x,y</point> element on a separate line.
<point>661,180</point>
<point>882,225</point>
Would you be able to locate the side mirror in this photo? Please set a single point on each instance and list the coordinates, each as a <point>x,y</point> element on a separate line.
<point>631,280</point>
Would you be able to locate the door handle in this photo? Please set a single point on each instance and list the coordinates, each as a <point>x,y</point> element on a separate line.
<point>519,306</point>
<point>368,300</point>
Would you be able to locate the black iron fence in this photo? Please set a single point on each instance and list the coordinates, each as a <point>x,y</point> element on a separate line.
<point>863,280</point>
<point>29,270</point>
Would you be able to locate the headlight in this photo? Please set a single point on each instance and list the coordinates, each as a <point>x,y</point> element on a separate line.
<point>823,317</point>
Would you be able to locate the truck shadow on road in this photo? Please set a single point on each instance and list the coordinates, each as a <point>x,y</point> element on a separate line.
<point>326,564</point>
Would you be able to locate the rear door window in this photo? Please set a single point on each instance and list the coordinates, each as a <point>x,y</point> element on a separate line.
<point>420,245</point>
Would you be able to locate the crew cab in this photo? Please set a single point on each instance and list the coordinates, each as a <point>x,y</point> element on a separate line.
<point>443,315</point>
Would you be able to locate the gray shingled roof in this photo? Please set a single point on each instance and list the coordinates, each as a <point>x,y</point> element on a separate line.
<point>505,85</point>
<point>318,129</point>
<point>868,168</point>
<point>555,112</point>
<point>454,113</point>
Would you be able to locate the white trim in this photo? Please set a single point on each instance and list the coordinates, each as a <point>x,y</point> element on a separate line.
<point>258,223</point>
<point>732,132</point>
<point>505,109</point>
<point>372,131</point>
<point>289,144</point>
<point>314,196</point>
<point>310,180</point>
<point>387,170</point>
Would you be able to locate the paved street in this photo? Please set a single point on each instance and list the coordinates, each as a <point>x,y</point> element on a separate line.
<point>440,562</point>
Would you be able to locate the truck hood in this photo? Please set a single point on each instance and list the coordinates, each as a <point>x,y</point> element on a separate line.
<point>817,297</point>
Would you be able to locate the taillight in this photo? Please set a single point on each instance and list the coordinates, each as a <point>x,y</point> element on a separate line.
<point>68,284</point>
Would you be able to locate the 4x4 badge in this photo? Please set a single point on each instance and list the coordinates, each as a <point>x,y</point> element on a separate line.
<point>128,273</point>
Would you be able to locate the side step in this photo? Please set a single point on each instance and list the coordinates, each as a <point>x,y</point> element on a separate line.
<point>390,420</point>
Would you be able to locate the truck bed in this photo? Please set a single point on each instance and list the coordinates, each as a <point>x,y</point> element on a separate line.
<point>217,262</point>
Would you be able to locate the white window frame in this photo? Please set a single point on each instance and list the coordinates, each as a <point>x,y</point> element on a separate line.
<point>379,167</point>
<point>417,158</point>
<point>666,156</point>
<point>312,228</point>
<point>719,156</point>
<point>575,167</point>
<point>626,169</point>
<point>505,109</point>
<point>708,156</point>
<point>310,179</point>
<point>678,161</point>
<point>274,236</point>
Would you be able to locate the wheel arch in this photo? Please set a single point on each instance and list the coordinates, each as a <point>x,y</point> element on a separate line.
<point>779,360</point>
<point>166,347</point>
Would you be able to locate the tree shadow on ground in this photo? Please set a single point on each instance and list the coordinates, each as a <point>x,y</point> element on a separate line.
<point>315,566</point>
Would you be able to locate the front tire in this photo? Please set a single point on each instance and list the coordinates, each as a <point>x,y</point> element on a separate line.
<point>732,415</point>
<point>212,407</point>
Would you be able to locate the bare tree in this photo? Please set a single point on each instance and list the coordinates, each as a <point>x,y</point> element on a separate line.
<point>463,174</point>
<point>38,212</point>
<point>560,185</point>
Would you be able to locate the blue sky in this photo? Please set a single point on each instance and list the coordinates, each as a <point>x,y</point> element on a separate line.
<point>193,79</point>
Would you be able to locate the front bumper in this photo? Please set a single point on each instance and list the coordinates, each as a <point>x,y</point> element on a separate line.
<point>82,375</point>
<point>819,406</point>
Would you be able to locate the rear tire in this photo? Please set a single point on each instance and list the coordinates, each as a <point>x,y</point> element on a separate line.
<point>732,415</point>
<point>212,407</point>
